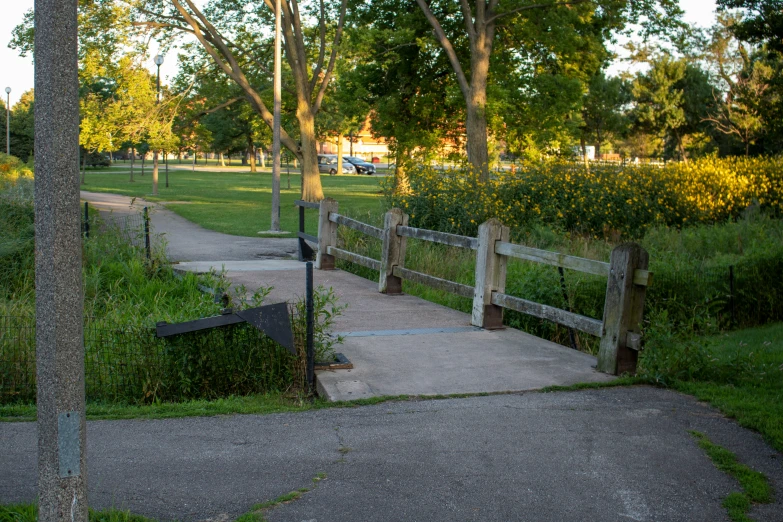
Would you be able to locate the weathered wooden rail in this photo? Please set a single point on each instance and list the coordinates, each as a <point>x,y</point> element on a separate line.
<point>626,273</point>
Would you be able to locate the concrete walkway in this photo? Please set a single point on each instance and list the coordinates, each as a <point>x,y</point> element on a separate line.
<point>611,455</point>
<point>186,241</point>
<point>399,345</point>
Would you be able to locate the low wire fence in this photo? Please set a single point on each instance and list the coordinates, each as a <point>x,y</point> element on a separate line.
<point>135,228</point>
<point>129,364</point>
<point>743,295</point>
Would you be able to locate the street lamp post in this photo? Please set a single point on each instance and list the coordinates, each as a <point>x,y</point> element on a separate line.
<point>158,62</point>
<point>8,121</point>
<point>275,226</point>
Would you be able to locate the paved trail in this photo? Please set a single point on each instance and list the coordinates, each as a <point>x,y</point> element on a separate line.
<point>186,241</point>
<point>620,454</point>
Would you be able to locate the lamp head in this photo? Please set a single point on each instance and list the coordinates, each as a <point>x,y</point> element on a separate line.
<point>8,90</point>
<point>159,60</point>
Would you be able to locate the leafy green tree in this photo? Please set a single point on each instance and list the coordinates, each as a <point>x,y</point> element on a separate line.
<point>571,34</point>
<point>761,21</point>
<point>405,79</point>
<point>234,36</point>
<point>23,126</point>
<point>670,100</point>
<point>603,113</point>
<point>743,100</point>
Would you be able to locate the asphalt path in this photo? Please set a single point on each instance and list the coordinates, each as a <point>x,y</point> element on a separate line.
<point>597,455</point>
<point>187,241</point>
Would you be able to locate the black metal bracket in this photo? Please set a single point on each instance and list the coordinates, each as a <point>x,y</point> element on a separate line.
<point>273,320</point>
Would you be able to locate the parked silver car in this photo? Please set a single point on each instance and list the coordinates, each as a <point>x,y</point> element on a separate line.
<point>328,163</point>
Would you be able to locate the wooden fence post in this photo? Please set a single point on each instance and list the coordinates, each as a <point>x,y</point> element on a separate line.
<point>490,275</point>
<point>393,253</point>
<point>327,234</point>
<point>623,310</point>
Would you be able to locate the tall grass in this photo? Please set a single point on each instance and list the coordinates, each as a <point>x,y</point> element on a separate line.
<point>125,296</point>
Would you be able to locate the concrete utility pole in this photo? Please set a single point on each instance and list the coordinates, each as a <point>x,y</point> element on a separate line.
<point>276,127</point>
<point>59,306</point>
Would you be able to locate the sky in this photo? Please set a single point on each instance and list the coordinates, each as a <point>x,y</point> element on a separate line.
<point>17,72</point>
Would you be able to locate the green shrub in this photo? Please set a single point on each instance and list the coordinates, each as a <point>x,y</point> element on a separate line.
<point>604,201</point>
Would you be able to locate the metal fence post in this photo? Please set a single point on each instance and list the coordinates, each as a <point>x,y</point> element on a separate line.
<point>147,233</point>
<point>623,310</point>
<point>571,334</point>
<point>305,252</point>
<point>309,307</point>
<point>731,296</point>
<point>86,219</point>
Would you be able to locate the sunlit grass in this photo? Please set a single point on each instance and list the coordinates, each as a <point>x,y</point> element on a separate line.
<point>239,203</point>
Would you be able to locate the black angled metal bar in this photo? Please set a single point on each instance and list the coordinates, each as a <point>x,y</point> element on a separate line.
<point>305,252</point>
<point>147,233</point>
<point>310,327</point>
<point>86,219</point>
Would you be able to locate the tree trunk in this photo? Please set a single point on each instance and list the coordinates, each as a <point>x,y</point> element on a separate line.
<point>401,183</point>
<point>252,153</point>
<point>133,158</point>
<point>476,100</point>
<point>166,161</point>
<point>143,159</point>
<point>339,153</point>
<point>179,155</point>
<point>476,133</point>
<point>263,157</point>
<point>311,178</point>
<point>681,148</point>
<point>223,160</point>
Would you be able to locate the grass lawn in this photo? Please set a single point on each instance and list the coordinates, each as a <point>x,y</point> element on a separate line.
<point>239,203</point>
<point>754,395</point>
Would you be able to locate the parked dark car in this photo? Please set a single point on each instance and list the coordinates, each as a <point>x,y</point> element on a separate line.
<point>362,167</point>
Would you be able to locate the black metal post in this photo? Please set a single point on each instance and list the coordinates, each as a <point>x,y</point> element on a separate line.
<point>86,219</point>
<point>301,229</point>
<point>731,295</point>
<point>147,233</point>
<point>565,298</point>
<point>310,327</point>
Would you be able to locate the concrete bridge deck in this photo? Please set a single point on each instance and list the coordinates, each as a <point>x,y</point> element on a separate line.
<point>399,345</point>
<point>404,345</point>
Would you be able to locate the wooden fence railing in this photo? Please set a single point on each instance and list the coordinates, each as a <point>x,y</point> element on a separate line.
<point>626,273</point>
